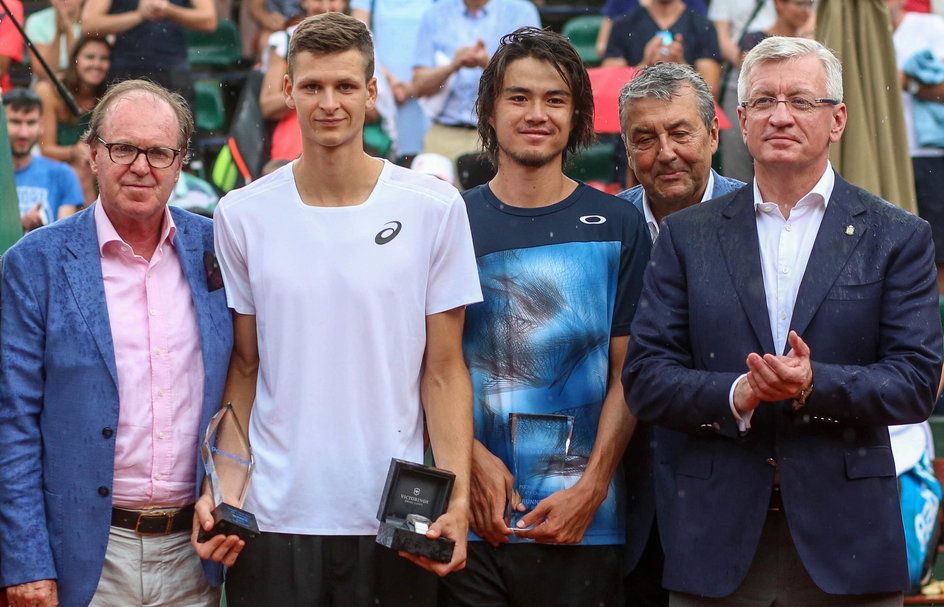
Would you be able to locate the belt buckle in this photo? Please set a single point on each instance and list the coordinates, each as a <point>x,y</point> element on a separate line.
<point>168,514</point>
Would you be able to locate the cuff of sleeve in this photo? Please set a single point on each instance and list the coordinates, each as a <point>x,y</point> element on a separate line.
<point>743,421</point>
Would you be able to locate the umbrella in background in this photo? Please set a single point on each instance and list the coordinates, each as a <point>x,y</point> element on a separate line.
<point>11,228</point>
<point>873,152</point>
<point>606,83</point>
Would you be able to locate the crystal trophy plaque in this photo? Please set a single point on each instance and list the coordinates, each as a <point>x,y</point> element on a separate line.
<point>540,445</point>
<point>227,459</point>
<point>413,497</point>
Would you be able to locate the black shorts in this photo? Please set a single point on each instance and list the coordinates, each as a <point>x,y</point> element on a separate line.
<point>536,575</point>
<point>323,570</point>
<point>929,189</point>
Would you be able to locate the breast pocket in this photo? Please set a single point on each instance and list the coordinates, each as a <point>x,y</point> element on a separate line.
<point>855,292</point>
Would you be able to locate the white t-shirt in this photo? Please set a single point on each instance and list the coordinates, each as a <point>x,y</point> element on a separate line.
<point>340,296</point>
<point>915,33</point>
<point>737,12</point>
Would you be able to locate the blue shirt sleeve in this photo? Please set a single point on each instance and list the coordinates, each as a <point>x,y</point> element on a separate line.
<point>70,192</point>
<point>424,55</point>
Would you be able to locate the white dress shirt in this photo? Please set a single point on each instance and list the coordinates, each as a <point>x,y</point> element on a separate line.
<point>785,247</point>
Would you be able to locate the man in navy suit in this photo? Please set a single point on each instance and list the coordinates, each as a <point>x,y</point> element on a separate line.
<point>115,338</point>
<point>667,115</point>
<point>782,328</point>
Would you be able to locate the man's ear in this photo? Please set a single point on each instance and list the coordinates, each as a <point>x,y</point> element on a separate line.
<point>287,88</point>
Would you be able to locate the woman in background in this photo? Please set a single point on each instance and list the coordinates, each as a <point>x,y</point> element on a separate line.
<point>85,78</point>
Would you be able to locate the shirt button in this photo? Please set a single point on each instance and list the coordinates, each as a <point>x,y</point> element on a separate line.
<point>785,271</point>
<point>160,435</point>
<point>158,352</point>
<point>771,462</point>
<point>103,491</point>
<point>783,316</point>
<point>160,393</point>
<point>158,476</point>
<point>788,228</point>
<point>107,432</point>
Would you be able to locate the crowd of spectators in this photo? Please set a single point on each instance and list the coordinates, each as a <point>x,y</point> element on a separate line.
<point>429,57</point>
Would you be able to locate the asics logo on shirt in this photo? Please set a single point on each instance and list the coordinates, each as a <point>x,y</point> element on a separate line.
<point>593,220</point>
<point>388,233</point>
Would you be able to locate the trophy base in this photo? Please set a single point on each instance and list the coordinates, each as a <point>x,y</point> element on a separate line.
<point>402,539</point>
<point>230,520</point>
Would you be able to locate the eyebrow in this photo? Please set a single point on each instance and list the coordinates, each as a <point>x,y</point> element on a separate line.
<point>524,89</point>
<point>793,92</point>
<point>670,127</point>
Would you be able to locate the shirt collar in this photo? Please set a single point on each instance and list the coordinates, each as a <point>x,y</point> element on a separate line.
<point>819,195</point>
<point>651,219</point>
<point>482,11</point>
<point>108,234</point>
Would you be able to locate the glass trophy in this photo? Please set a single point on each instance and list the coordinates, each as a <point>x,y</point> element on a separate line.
<point>540,445</point>
<point>413,497</point>
<point>227,459</point>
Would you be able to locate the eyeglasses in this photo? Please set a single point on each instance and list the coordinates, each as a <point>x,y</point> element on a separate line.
<point>797,105</point>
<point>125,153</point>
<point>806,4</point>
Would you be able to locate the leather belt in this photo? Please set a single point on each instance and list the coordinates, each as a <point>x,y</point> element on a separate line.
<point>776,500</point>
<point>154,522</point>
<point>461,125</point>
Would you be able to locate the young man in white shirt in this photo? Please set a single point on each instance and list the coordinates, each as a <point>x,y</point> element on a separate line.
<point>348,278</point>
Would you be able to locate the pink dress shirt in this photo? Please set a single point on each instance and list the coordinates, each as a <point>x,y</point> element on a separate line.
<point>160,370</point>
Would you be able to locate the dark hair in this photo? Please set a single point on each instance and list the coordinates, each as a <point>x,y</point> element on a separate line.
<point>22,100</point>
<point>543,45</point>
<point>128,87</point>
<point>332,33</point>
<point>70,78</point>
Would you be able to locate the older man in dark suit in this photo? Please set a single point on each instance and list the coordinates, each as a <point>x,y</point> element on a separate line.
<point>670,130</point>
<point>782,328</point>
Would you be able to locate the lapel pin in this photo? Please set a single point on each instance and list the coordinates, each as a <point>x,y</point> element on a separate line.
<point>850,230</point>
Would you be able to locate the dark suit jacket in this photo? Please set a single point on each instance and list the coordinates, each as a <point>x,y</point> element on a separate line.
<point>59,398</point>
<point>649,463</point>
<point>867,307</point>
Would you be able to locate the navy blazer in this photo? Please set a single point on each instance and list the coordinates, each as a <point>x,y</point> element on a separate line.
<point>59,398</point>
<point>868,308</point>
<point>650,456</point>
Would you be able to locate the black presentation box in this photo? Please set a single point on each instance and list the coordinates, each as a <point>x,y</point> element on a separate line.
<point>414,489</point>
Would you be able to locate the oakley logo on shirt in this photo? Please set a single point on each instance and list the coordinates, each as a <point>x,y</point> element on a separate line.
<point>593,220</point>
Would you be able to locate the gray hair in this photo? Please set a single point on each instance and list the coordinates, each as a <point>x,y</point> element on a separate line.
<point>662,81</point>
<point>782,48</point>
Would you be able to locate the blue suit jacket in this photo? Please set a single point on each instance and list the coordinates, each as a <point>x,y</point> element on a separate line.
<point>650,456</point>
<point>59,394</point>
<point>867,307</point>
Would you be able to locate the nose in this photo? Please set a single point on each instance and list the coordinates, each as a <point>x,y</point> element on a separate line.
<point>666,151</point>
<point>781,114</point>
<point>329,100</point>
<point>140,165</point>
<point>536,111</point>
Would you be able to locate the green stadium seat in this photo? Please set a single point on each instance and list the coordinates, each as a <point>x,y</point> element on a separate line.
<point>210,112</point>
<point>592,164</point>
<point>582,32</point>
<point>221,48</point>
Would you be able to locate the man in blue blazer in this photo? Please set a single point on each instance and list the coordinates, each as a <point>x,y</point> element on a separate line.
<point>782,328</point>
<point>667,115</point>
<point>115,340</point>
